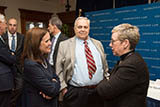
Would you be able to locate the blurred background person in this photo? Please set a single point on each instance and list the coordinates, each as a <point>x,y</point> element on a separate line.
<point>41,83</point>
<point>129,79</point>
<point>81,65</point>
<point>54,27</point>
<point>15,41</point>
<point>7,61</point>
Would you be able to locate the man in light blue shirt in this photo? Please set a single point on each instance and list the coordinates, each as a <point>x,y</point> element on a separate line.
<point>72,67</point>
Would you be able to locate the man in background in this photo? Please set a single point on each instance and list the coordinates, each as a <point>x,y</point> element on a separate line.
<point>7,60</point>
<point>54,27</point>
<point>15,42</point>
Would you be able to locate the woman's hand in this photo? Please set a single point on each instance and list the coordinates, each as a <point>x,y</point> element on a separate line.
<point>45,96</point>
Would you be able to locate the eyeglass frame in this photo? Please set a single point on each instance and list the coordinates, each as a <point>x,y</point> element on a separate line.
<point>113,41</point>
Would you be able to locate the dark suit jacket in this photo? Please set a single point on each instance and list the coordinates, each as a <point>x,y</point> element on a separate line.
<point>128,83</point>
<point>18,76</point>
<point>38,79</point>
<point>61,37</point>
<point>6,67</point>
<point>20,42</point>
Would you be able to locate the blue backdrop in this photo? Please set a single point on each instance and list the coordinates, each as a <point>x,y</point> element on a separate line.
<point>146,17</point>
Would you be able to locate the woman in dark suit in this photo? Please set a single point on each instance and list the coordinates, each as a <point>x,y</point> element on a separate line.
<point>129,79</point>
<point>41,83</point>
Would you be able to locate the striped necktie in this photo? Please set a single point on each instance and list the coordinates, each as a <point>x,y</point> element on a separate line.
<point>90,60</point>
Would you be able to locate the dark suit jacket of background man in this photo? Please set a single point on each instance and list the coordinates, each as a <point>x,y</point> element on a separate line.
<point>6,65</point>
<point>18,51</point>
<point>128,83</point>
<point>61,37</point>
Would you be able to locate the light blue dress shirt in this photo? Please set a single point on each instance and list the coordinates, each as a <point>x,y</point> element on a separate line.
<point>80,76</point>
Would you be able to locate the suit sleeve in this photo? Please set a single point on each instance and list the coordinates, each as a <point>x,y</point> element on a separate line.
<point>34,74</point>
<point>125,78</point>
<point>5,55</point>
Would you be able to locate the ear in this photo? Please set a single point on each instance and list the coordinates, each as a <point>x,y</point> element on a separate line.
<point>126,44</point>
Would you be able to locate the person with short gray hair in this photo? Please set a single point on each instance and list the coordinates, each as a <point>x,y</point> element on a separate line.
<point>15,41</point>
<point>54,27</point>
<point>3,24</point>
<point>127,31</point>
<point>81,65</point>
<point>129,79</point>
<point>7,61</point>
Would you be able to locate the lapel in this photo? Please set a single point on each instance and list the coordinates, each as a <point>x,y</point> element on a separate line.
<point>18,42</point>
<point>5,37</point>
<point>72,46</point>
<point>119,63</point>
<point>115,68</point>
<point>99,48</point>
<point>57,43</point>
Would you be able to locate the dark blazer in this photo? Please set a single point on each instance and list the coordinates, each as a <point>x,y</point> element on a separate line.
<point>6,67</point>
<point>39,79</point>
<point>128,83</point>
<point>20,42</point>
<point>61,37</point>
<point>19,49</point>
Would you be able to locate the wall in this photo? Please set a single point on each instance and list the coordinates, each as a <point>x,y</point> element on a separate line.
<point>52,6</point>
<point>145,17</point>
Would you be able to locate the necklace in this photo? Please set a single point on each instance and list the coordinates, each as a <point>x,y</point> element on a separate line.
<point>44,64</point>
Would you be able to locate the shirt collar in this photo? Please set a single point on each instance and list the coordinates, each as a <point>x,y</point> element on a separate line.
<point>82,41</point>
<point>57,35</point>
<point>122,57</point>
<point>11,34</point>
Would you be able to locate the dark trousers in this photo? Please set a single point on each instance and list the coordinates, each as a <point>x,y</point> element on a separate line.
<point>5,98</point>
<point>82,97</point>
<point>16,98</point>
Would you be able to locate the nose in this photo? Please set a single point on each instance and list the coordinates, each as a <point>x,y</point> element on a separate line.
<point>110,44</point>
<point>50,42</point>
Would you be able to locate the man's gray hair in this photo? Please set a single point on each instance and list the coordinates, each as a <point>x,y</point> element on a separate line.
<point>81,18</point>
<point>56,21</point>
<point>2,18</point>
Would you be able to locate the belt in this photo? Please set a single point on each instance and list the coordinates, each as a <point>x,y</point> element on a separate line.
<point>87,86</point>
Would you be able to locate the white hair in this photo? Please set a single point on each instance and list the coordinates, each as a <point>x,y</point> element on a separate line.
<point>2,18</point>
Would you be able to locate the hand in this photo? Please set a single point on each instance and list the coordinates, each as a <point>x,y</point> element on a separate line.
<point>54,80</point>
<point>64,91</point>
<point>12,53</point>
<point>45,96</point>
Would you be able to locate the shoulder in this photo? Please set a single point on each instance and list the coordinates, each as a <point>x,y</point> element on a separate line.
<point>135,59</point>
<point>95,41</point>
<point>30,63</point>
<point>20,35</point>
<point>63,36</point>
<point>68,41</point>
